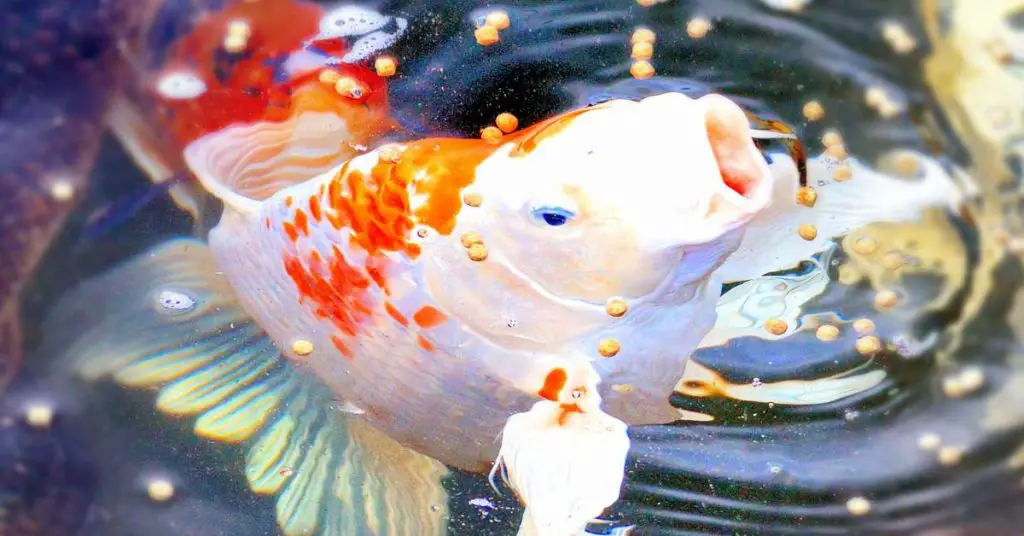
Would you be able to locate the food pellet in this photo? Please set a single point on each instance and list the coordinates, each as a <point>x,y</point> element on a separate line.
<point>642,70</point>
<point>950,455</point>
<point>643,35</point>
<point>842,173</point>
<point>642,51</point>
<point>329,76</point>
<point>492,134</point>
<point>808,232</point>
<point>831,138</point>
<point>616,307</point>
<point>302,347</point>
<point>858,506</point>
<point>469,239</point>
<point>814,111</point>
<point>698,27</point>
<point>608,347</point>
<point>39,415</point>
<point>929,441</point>
<point>486,35</point>
<point>478,252</point>
<point>236,43</point>
<point>864,326</point>
<point>160,490</point>
<point>498,19</point>
<point>507,122</point>
<point>827,333</point>
<point>776,326</point>
<point>473,199</point>
<point>886,299</point>
<point>385,66</point>
<point>806,196</point>
<point>837,151</point>
<point>865,246</point>
<point>868,345</point>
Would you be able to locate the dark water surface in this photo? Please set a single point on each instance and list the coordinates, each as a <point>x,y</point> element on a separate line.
<point>758,468</point>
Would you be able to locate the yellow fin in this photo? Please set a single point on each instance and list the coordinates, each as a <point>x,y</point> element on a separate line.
<point>166,319</point>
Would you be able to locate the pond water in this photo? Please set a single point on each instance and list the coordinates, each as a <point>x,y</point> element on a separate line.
<point>863,374</point>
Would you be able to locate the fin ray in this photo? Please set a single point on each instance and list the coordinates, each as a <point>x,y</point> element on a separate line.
<point>167,320</point>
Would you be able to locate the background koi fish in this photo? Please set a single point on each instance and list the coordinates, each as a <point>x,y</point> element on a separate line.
<point>431,290</point>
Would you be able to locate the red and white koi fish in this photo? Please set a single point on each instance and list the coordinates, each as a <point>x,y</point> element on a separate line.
<point>302,84</point>
<point>430,291</point>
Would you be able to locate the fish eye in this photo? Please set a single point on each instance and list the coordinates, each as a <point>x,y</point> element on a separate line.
<point>552,216</point>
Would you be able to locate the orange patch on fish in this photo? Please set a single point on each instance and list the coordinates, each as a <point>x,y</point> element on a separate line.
<point>425,344</point>
<point>342,347</point>
<point>302,222</point>
<point>338,292</point>
<point>396,314</point>
<point>553,384</point>
<point>428,317</point>
<point>533,136</point>
<point>289,229</point>
<point>314,208</point>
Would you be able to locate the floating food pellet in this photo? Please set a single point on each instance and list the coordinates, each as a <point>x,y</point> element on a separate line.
<point>329,76</point>
<point>806,196</point>
<point>473,199</point>
<point>865,246</point>
<point>827,333</point>
<point>892,260</point>
<point>842,173</point>
<point>507,122</point>
<point>486,35</point>
<point>858,506</point>
<point>929,441</point>
<point>160,490</point>
<point>776,326</point>
<point>950,455</point>
<point>814,111</point>
<point>807,232</point>
<point>848,274</point>
<point>471,238</point>
<point>234,44</point>
<point>616,307</point>
<point>898,37</point>
<point>642,51</point>
<point>390,153</point>
<point>875,96</point>
<point>385,66</point>
<point>864,326</point>
<point>39,415</point>
<point>868,345</point>
<point>478,252</point>
<point>643,35</point>
<point>608,347</point>
<point>347,86</point>
<point>622,388</point>
<point>698,27</point>
<point>963,384</point>
<point>646,3</point>
<point>498,19</point>
<point>492,135</point>
<point>831,138</point>
<point>642,70</point>
<point>886,299</point>
<point>62,190</point>
<point>302,347</point>
<point>837,151</point>
<point>907,165</point>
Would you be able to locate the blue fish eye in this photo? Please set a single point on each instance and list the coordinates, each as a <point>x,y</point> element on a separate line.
<point>553,216</point>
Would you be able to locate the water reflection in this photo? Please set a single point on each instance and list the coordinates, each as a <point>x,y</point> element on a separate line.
<point>789,427</point>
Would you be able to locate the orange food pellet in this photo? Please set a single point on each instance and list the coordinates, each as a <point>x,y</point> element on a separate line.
<point>643,35</point>
<point>616,307</point>
<point>347,86</point>
<point>842,173</point>
<point>507,122</point>
<point>776,326</point>
<point>642,51</point>
<point>698,27</point>
<point>814,111</point>
<point>806,196</point>
<point>807,231</point>
<point>609,347</point>
<point>492,134</point>
<point>486,35</point>
<point>473,199</point>
<point>642,70</point>
<point>478,252</point>
<point>385,66</point>
<point>498,19</point>
<point>471,238</point>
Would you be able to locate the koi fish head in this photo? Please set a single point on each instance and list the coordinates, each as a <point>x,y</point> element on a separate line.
<point>243,76</point>
<point>614,199</point>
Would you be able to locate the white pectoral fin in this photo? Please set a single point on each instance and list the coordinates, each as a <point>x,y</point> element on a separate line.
<point>565,468</point>
<point>166,321</point>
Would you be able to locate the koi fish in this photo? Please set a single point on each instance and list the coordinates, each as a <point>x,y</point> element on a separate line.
<point>429,291</point>
<point>305,84</point>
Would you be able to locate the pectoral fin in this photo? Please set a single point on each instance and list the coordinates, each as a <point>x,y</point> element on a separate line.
<point>167,320</point>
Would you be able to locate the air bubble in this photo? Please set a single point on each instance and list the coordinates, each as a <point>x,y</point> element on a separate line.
<point>172,301</point>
